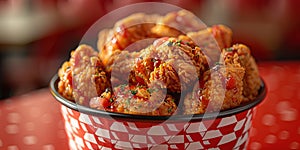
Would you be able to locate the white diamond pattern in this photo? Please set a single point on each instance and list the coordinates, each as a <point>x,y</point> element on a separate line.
<point>102,133</point>
<point>195,136</point>
<point>239,124</point>
<point>136,146</point>
<point>227,121</point>
<point>88,144</point>
<point>122,145</point>
<point>139,139</point>
<point>206,142</point>
<point>79,141</point>
<point>247,124</point>
<point>227,138</point>
<point>212,134</point>
<point>176,139</point>
<point>74,123</point>
<point>90,137</point>
<point>172,127</point>
<point>115,135</point>
<point>194,145</point>
<point>118,126</point>
<point>132,126</point>
<point>157,130</point>
<point>85,119</point>
<point>97,120</point>
<point>196,127</point>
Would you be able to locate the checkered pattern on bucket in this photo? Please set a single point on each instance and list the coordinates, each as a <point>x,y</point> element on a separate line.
<point>90,132</point>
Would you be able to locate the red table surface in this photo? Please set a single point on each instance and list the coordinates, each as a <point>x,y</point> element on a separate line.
<point>33,121</point>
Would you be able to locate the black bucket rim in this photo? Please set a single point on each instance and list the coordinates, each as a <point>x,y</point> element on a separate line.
<point>190,118</point>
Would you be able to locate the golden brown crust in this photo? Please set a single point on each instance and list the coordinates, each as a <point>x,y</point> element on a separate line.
<point>171,61</point>
<point>142,100</point>
<point>166,74</point>
<point>141,71</point>
<point>122,64</point>
<point>83,77</point>
<point>177,23</point>
<point>125,32</point>
<point>222,34</point>
<point>142,26</point>
<point>65,81</point>
<point>220,89</point>
<point>182,53</point>
<point>212,40</point>
<point>242,54</point>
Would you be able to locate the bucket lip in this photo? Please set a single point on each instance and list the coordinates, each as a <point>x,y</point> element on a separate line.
<point>191,118</point>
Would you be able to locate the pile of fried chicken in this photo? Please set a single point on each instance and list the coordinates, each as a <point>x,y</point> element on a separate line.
<point>152,64</point>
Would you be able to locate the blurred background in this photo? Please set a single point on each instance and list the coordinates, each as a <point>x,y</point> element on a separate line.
<point>36,36</point>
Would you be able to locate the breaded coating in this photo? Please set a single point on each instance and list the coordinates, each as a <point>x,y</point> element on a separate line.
<point>141,71</point>
<point>131,67</point>
<point>146,61</point>
<point>143,26</point>
<point>251,79</point>
<point>65,87</point>
<point>188,63</point>
<point>174,24</point>
<point>212,40</point>
<point>220,88</point>
<point>83,77</point>
<point>222,34</point>
<point>183,64</point>
<point>120,69</point>
<point>143,101</point>
<point>200,61</point>
<point>165,73</point>
<point>125,32</point>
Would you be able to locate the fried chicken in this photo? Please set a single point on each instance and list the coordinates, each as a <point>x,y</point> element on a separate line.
<point>241,53</point>
<point>83,77</point>
<point>220,88</point>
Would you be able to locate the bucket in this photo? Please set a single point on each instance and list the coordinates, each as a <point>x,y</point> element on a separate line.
<point>89,128</point>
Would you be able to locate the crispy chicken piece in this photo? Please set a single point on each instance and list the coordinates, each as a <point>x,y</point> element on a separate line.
<point>212,40</point>
<point>145,61</point>
<point>171,61</point>
<point>89,77</point>
<point>167,74</point>
<point>143,100</point>
<point>65,87</point>
<point>221,33</point>
<point>139,100</point>
<point>141,71</point>
<point>120,69</point>
<point>142,26</point>
<point>83,77</point>
<point>241,53</point>
<point>177,23</point>
<point>221,88</point>
<point>125,32</point>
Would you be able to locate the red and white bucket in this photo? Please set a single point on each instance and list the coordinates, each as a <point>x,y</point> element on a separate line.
<point>93,129</point>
